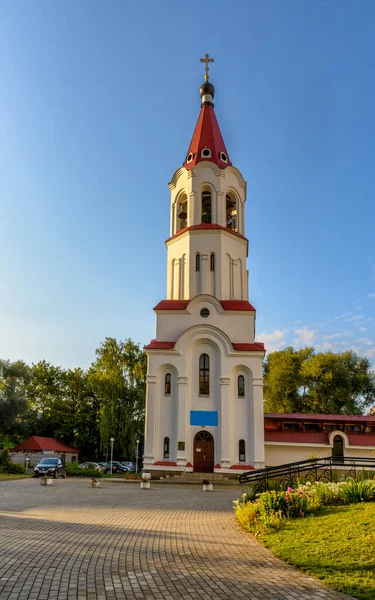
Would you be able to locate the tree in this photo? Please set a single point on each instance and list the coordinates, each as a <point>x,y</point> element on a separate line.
<point>118,378</point>
<point>14,377</point>
<point>284,389</point>
<point>318,382</point>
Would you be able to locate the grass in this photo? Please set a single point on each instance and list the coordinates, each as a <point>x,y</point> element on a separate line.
<point>13,476</point>
<point>336,545</point>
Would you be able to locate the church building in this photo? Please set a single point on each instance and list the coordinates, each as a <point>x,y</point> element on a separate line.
<point>204,402</point>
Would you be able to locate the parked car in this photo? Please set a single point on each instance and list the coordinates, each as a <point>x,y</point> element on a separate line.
<point>131,465</point>
<point>120,467</point>
<point>91,465</point>
<point>50,466</point>
<point>107,467</point>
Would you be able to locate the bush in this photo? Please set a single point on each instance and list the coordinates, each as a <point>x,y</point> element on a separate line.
<point>267,510</point>
<point>358,491</point>
<point>12,468</point>
<point>74,470</point>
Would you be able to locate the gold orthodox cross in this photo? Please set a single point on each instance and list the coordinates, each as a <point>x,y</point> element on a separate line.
<point>207,60</point>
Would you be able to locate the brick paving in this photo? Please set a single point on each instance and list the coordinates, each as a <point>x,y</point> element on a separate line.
<point>71,542</point>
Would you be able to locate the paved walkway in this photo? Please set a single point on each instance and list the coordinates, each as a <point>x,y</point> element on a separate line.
<point>118,541</point>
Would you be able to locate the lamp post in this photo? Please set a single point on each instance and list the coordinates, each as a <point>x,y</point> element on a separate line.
<point>111,440</point>
<point>136,455</point>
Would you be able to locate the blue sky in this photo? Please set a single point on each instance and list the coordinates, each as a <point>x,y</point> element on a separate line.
<point>98,102</point>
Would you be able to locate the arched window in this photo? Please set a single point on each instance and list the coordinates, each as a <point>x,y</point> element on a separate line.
<point>206,207</point>
<point>212,262</point>
<point>204,375</point>
<point>166,447</point>
<point>231,212</point>
<point>182,212</point>
<point>242,451</point>
<point>241,386</point>
<point>167,384</point>
<point>197,262</point>
<point>338,448</point>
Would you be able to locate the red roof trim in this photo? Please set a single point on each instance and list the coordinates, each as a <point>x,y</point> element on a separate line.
<point>256,347</point>
<point>37,443</point>
<point>206,226</point>
<point>172,305</point>
<point>155,345</point>
<point>207,134</point>
<point>243,467</point>
<point>305,437</point>
<point>165,463</point>
<point>319,417</point>
<point>188,464</point>
<point>235,305</point>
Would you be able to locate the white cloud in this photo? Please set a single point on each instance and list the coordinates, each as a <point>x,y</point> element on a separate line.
<point>347,314</point>
<point>355,318</point>
<point>273,341</point>
<point>366,341</point>
<point>372,295</point>
<point>304,336</point>
<point>362,329</point>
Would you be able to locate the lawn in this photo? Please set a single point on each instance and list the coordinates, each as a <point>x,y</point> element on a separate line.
<point>12,476</point>
<point>336,545</point>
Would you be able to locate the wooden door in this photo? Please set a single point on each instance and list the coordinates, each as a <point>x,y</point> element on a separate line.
<point>204,452</point>
<point>338,448</point>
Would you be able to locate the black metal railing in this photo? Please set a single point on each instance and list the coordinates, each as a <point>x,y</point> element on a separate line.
<point>312,469</point>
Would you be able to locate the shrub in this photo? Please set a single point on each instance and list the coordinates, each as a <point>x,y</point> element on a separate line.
<point>12,468</point>
<point>73,470</point>
<point>358,491</point>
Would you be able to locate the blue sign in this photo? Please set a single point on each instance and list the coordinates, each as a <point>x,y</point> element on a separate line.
<point>204,417</point>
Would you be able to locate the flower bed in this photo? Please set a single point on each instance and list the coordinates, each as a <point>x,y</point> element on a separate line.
<point>268,510</point>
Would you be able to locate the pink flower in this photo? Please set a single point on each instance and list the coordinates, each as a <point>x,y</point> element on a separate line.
<point>289,489</point>
<point>287,498</point>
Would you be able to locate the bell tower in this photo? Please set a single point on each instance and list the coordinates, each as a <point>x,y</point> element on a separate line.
<point>204,382</point>
<point>207,248</point>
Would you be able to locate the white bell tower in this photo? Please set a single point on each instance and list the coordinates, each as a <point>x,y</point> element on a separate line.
<point>204,404</point>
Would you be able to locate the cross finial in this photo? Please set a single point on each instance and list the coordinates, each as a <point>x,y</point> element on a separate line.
<point>207,60</point>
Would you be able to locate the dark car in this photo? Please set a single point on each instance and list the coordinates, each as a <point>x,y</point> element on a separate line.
<point>53,467</point>
<point>120,467</point>
<point>91,465</point>
<point>107,467</point>
<point>130,465</point>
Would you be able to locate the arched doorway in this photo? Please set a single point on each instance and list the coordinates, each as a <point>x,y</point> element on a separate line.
<point>203,452</point>
<point>338,448</point>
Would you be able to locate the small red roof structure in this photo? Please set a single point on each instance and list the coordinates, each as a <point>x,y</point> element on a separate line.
<point>37,443</point>
<point>207,143</point>
<point>226,304</point>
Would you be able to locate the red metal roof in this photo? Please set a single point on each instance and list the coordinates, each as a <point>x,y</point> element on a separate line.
<point>36,443</point>
<point>296,437</point>
<point>206,226</point>
<point>172,305</point>
<point>155,345</point>
<point>226,304</point>
<point>207,134</point>
<point>256,347</point>
<point>306,437</point>
<point>320,417</point>
<point>237,305</point>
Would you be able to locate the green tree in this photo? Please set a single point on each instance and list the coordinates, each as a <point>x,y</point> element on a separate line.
<point>284,384</point>
<point>318,382</point>
<point>118,378</point>
<point>14,377</point>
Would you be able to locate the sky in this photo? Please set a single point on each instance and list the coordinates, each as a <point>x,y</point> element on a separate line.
<point>98,103</point>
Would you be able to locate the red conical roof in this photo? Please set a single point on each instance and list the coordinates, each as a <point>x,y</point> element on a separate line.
<point>207,136</point>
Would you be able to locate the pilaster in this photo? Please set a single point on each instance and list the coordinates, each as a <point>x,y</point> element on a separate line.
<point>224,422</point>
<point>257,423</point>
<point>151,420</point>
<point>181,421</point>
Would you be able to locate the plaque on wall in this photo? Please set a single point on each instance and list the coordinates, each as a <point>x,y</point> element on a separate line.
<point>181,445</point>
